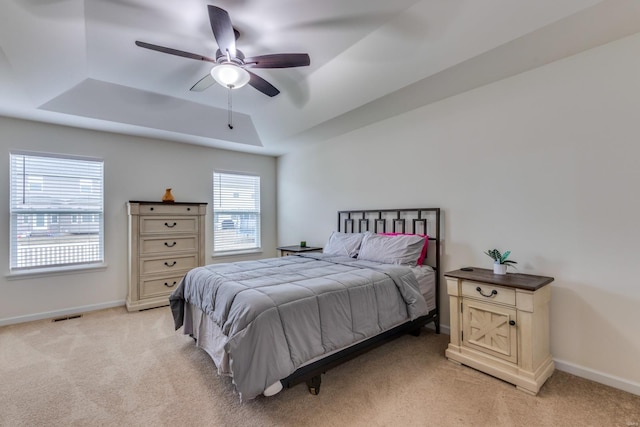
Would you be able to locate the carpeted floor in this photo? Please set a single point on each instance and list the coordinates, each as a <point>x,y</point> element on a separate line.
<point>131,369</point>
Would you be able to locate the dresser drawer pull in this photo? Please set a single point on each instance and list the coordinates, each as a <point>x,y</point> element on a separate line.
<point>171,226</point>
<point>512,322</point>
<point>170,286</point>
<point>170,265</point>
<point>169,245</point>
<point>493,292</point>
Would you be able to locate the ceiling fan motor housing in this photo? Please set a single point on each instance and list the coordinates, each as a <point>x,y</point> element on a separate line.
<point>222,57</point>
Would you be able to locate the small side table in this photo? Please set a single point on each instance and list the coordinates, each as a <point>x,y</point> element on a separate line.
<point>296,249</point>
<point>500,325</point>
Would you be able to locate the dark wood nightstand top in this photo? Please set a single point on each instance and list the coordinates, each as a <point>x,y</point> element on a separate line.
<point>298,248</point>
<point>512,280</point>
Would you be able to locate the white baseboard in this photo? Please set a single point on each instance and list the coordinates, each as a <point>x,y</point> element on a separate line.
<point>444,329</point>
<point>60,313</point>
<point>597,376</point>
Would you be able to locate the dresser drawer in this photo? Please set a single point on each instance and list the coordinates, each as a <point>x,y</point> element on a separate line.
<point>168,264</point>
<point>489,293</point>
<point>168,209</point>
<point>168,245</point>
<point>157,287</point>
<point>153,225</point>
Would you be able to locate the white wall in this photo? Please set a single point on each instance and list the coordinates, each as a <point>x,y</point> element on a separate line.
<point>544,164</point>
<point>135,169</point>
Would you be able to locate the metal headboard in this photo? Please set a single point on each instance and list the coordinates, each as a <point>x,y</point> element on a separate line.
<point>416,221</point>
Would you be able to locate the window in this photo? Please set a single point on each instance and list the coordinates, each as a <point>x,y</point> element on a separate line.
<point>48,195</point>
<point>236,213</point>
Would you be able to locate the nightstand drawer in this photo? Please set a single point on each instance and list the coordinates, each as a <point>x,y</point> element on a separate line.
<point>152,225</point>
<point>168,264</point>
<point>168,245</point>
<point>489,293</point>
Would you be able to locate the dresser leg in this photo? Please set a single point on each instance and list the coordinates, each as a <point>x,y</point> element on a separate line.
<point>455,362</point>
<point>526,391</point>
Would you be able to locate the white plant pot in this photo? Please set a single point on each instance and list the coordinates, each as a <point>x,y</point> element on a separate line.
<point>499,268</point>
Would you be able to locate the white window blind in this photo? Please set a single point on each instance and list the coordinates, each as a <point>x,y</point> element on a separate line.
<point>236,212</point>
<point>56,211</point>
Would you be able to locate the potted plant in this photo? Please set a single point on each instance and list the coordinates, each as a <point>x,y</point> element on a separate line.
<point>500,261</point>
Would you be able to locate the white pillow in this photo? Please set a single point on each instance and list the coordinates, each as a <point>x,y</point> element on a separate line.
<point>399,249</point>
<point>345,244</point>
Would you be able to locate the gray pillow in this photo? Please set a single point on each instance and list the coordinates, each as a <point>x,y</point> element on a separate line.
<point>343,244</point>
<point>399,249</point>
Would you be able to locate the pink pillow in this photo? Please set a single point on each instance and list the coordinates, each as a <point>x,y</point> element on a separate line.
<point>423,254</point>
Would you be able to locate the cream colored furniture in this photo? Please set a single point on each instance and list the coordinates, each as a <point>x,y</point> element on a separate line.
<point>165,241</point>
<point>500,325</point>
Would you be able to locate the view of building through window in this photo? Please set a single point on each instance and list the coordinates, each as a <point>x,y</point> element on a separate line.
<point>236,212</point>
<point>56,211</point>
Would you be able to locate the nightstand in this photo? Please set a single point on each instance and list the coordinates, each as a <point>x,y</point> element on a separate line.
<point>296,249</point>
<point>500,325</point>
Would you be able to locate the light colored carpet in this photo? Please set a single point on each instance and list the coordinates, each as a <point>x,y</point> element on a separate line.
<point>116,368</point>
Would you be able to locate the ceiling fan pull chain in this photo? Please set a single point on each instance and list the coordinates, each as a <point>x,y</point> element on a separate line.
<point>230,124</point>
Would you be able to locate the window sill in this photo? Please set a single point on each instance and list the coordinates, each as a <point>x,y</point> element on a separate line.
<point>234,253</point>
<point>55,271</point>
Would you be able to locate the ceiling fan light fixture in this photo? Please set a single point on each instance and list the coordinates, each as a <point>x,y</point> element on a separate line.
<point>230,75</point>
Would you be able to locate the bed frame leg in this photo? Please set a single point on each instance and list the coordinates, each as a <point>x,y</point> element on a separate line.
<point>314,385</point>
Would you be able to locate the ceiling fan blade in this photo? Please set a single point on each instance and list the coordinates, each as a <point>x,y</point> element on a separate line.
<point>174,52</point>
<point>262,85</point>
<point>203,83</point>
<point>278,60</point>
<point>222,30</point>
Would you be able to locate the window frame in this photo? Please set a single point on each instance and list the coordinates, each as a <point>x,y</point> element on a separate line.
<point>236,212</point>
<point>54,214</point>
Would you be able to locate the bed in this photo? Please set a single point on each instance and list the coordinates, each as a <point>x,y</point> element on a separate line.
<point>276,322</point>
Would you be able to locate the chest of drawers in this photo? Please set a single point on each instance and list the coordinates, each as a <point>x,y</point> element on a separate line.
<point>500,325</point>
<point>165,241</point>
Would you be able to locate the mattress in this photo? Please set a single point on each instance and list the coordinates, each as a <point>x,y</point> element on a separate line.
<point>212,340</point>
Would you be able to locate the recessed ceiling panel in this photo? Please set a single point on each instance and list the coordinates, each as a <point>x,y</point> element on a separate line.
<point>115,103</point>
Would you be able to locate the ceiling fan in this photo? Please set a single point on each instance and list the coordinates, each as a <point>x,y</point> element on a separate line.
<point>231,66</point>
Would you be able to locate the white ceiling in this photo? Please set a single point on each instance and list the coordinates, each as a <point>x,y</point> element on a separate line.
<point>74,62</point>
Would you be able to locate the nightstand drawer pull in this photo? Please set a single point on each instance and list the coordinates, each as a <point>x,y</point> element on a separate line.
<point>493,292</point>
<point>170,265</point>
<point>170,226</point>
<point>512,322</point>
<point>174,283</point>
<point>169,245</point>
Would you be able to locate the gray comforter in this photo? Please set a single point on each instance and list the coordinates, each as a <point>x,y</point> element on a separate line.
<point>280,313</point>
